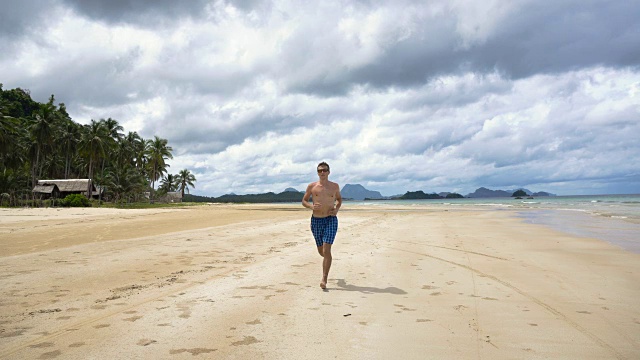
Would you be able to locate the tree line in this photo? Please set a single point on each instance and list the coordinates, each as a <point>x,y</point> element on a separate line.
<point>270,197</point>
<point>41,141</point>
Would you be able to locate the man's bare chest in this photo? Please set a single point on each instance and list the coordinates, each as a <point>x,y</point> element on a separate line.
<point>324,192</point>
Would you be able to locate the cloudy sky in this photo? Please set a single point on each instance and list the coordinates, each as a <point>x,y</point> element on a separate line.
<point>441,95</point>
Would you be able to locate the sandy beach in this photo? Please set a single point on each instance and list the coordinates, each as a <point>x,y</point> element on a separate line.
<point>241,282</point>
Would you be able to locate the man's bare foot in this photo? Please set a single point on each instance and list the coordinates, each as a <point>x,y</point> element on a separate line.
<point>323,284</point>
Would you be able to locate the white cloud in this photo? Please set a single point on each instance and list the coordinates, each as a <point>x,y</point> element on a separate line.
<point>438,96</point>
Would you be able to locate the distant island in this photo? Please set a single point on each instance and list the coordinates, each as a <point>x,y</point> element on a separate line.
<point>487,193</point>
<point>359,193</point>
<point>411,195</point>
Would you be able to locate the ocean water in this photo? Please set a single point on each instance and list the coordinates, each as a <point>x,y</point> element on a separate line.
<point>612,218</point>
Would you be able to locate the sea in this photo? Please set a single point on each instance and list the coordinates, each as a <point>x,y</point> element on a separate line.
<point>611,218</point>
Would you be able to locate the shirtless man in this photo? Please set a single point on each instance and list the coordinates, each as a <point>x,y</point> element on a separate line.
<point>324,222</point>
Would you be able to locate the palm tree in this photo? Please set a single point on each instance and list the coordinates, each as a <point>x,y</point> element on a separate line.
<point>168,184</point>
<point>157,153</point>
<point>93,145</point>
<point>185,180</point>
<point>7,127</point>
<point>112,128</point>
<point>41,131</point>
<point>68,140</point>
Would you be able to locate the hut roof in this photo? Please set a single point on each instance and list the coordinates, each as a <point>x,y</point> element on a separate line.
<point>45,189</point>
<point>72,185</point>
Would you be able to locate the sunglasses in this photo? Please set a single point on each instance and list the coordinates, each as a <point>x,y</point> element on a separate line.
<point>323,170</point>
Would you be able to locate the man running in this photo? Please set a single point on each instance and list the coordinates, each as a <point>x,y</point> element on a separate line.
<point>324,221</point>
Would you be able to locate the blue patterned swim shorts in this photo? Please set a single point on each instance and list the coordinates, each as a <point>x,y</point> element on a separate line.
<point>324,229</point>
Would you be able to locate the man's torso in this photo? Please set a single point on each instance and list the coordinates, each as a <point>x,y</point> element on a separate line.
<point>325,195</point>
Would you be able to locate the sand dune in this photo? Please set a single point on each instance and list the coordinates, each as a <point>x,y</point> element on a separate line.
<point>242,282</point>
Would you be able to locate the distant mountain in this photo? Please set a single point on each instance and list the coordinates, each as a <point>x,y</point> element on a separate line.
<point>483,192</point>
<point>488,193</point>
<point>289,189</point>
<point>542,193</point>
<point>358,192</point>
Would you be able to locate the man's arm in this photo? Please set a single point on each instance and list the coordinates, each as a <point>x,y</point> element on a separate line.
<point>305,198</point>
<point>338,201</point>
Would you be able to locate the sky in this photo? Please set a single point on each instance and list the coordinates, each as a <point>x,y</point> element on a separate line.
<point>442,95</point>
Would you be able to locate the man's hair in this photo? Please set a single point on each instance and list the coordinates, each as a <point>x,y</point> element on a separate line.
<point>324,164</point>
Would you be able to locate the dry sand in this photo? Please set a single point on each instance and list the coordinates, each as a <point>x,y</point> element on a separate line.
<point>242,281</point>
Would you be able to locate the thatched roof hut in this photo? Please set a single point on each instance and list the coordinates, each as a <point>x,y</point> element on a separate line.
<point>47,190</point>
<point>66,187</point>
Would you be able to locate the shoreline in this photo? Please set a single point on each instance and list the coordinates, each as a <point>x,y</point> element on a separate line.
<point>241,281</point>
<point>617,232</point>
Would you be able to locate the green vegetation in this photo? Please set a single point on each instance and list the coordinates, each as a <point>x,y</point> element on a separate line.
<point>75,200</point>
<point>270,197</point>
<point>41,141</point>
<point>454,196</point>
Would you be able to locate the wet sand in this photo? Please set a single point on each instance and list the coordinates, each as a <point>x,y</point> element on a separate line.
<point>241,282</point>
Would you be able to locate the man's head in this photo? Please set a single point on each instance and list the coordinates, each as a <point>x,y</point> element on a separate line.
<point>323,168</point>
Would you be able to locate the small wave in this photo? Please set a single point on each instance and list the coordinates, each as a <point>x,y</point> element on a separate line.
<point>530,202</point>
<point>579,210</point>
<point>619,217</point>
<point>501,205</point>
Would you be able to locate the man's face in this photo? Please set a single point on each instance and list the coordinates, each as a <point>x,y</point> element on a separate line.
<point>323,172</point>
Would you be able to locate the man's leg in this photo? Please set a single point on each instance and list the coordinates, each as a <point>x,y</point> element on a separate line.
<point>320,251</point>
<point>326,264</point>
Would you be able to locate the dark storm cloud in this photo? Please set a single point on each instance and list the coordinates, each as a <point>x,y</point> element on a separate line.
<point>542,37</point>
<point>557,37</point>
<point>18,17</point>
<point>98,82</point>
<point>142,12</point>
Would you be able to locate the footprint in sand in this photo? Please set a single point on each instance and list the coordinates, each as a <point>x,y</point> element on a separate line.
<point>194,351</point>
<point>50,355</point>
<point>145,342</point>
<point>100,326</point>
<point>186,313</point>
<point>248,340</point>
<point>42,345</point>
